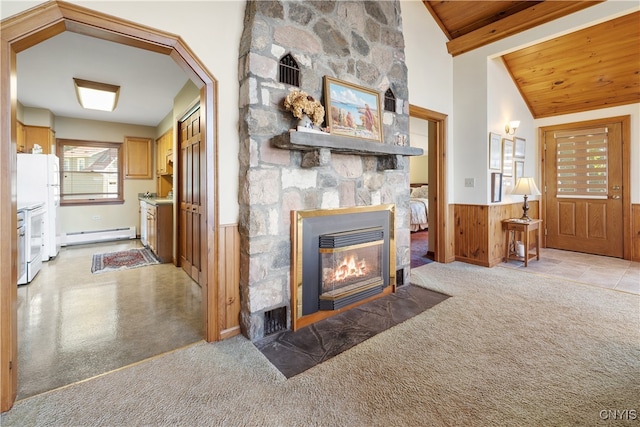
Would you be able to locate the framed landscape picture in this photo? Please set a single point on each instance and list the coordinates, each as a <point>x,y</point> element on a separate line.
<point>518,150</point>
<point>495,152</point>
<point>519,168</point>
<point>352,110</point>
<point>507,157</point>
<point>496,187</point>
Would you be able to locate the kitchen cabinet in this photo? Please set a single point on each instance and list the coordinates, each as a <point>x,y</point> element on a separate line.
<point>164,154</point>
<point>41,135</point>
<point>164,163</point>
<point>137,158</point>
<point>20,137</point>
<point>159,226</point>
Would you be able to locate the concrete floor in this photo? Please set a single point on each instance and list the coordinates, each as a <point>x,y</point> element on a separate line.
<point>74,325</point>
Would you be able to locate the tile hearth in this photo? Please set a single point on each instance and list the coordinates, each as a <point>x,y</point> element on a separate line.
<point>295,352</point>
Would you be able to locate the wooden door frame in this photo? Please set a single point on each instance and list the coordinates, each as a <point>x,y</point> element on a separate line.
<point>626,173</point>
<point>27,29</point>
<point>438,161</point>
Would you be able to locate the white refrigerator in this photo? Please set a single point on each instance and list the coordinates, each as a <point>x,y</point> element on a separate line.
<point>38,177</point>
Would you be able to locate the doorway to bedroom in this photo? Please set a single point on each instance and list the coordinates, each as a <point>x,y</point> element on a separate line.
<point>433,125</point>
<point>421,132</point>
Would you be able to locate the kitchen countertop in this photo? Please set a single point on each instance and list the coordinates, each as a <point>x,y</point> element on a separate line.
<point>156,200</point>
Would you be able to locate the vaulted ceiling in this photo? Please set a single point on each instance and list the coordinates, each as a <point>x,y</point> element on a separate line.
<point>593,68</point>
<point>589,69</point>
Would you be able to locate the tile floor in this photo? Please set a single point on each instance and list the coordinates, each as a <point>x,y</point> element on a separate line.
<point>601,271</point>
<point>295,352</point>
<point>73,325</point>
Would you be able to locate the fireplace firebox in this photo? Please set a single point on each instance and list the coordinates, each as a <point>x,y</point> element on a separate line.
<point>341,257</point>
<point>350,267</point>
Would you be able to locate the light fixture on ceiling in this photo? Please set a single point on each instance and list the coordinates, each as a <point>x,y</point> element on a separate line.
<point>511,127</point>
<point>96,96</point>
<point>525,186</point>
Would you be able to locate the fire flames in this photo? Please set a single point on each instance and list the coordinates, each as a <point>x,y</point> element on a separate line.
<point>349,268</point>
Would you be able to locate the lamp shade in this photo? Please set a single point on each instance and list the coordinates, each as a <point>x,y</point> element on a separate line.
<point>526,186</point>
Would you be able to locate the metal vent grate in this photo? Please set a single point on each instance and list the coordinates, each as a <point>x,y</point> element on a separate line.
<point>275,320</point>
<point>389,101</point>
<point>400,277</point>
<point>289,71</point>
<point>349,238</point>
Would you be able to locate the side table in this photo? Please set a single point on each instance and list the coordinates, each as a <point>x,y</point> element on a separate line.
<point>511,226</point>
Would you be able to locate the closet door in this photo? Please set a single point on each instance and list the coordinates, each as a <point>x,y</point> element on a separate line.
<point>192,210</point>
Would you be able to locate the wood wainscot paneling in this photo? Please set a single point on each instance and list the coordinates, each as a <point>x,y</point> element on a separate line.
<point>479,238</point>
<point>471,234</point>
<point>635,231</point>
<point>229,280</point>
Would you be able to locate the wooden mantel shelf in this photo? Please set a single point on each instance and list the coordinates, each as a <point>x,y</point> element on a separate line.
<point>310,141</point>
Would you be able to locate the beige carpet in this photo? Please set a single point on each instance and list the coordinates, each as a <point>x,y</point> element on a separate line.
<point>509,348</point>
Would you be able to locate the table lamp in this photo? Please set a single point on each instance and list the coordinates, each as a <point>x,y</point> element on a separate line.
<point>525,186</point>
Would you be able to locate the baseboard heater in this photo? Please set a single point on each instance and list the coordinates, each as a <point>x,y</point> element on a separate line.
<point>80,237</point>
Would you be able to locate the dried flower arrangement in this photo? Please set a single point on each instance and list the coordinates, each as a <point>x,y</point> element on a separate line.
<point>300,103</point>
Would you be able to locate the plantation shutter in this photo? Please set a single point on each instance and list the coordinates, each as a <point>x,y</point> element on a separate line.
<point>582,163</point>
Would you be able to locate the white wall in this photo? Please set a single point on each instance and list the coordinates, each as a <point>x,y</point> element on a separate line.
<point>485,98</point>
<point>37,117</point>
<point>471,82</point>
<point>505,104</point>
<point>212,30</point>
<point>430,68</point>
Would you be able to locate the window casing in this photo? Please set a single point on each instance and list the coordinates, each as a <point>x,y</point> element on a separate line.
<point>91,172</point>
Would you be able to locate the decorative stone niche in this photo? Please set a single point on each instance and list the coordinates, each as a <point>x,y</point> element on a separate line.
<point>360,42</point>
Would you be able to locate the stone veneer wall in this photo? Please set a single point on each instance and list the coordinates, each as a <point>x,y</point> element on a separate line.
<point>356,41</point>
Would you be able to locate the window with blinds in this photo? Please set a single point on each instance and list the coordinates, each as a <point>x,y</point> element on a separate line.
<point>582,163</point>
<point>91,172</point>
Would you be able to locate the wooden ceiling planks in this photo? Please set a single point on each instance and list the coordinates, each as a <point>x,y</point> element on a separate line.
<point>472,24</point>
<point>462,17</point>
<point>593,68</point>
<point>573,73</point>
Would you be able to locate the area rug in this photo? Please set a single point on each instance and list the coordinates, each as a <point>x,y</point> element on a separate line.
<point>122,260</point>
<point>295,352</point>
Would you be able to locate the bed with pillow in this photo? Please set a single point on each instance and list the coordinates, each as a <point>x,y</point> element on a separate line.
<point>419,205</point>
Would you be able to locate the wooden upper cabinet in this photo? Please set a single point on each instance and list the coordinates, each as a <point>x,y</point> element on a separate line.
<point>164,151</point>
<point>20,138</point>
<point>137,158</point>
<point>43,136</point>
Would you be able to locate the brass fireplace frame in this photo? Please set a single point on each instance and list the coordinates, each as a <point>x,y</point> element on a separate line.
<point>297,218</point>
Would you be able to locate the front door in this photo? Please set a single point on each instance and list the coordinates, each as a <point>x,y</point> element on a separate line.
<point>583,170</point>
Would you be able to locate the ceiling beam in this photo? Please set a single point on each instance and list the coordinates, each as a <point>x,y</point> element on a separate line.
<point>538,14</point>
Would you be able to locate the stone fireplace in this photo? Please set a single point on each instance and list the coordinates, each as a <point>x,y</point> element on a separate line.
<point>284,173</point>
